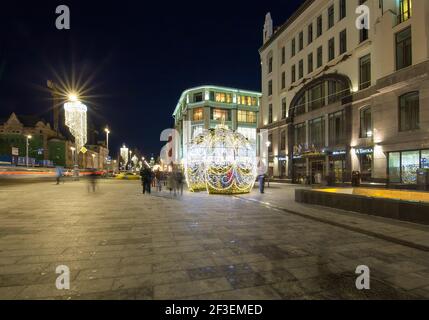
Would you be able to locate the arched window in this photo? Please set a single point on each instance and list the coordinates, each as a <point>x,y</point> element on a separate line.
<point>325,90</point>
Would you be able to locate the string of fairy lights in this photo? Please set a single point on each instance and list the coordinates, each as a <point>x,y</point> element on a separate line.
<point>221,161</point>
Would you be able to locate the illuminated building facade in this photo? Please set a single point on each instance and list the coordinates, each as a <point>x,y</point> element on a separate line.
<point>338,99</point>
<point>207,107</point>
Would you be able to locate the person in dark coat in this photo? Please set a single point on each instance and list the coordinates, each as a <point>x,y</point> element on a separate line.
<point>146,177</point>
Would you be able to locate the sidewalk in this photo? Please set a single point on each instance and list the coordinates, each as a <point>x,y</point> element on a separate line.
<point>282,197</point>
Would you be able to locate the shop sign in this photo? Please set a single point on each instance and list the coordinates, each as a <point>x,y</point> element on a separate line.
<point>364,150</point>
<point>339,153</point>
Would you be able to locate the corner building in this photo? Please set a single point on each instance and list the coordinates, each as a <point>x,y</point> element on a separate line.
<point>338,98</point>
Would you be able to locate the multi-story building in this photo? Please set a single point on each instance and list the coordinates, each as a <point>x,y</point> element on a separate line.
<point>340,97</point>
<point>206,107</point>
<point>46,147</point>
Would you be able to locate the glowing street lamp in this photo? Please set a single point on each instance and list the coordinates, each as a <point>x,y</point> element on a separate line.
<point>107,139</point>
<point>27,138</point>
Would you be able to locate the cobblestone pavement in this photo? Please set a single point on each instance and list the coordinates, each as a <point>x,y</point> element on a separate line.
<point>120,244</point>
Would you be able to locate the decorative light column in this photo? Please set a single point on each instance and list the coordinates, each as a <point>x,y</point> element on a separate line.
<point>76,121</point>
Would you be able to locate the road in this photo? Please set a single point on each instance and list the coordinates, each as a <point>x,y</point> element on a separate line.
<point>120,244</point>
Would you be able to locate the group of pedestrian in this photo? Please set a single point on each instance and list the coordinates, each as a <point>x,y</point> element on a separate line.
<point>173,181</point>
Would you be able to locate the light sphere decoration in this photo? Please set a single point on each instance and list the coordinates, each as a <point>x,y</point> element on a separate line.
<point>76,121</point>
<point>222,162</point>
<point>194,163</point>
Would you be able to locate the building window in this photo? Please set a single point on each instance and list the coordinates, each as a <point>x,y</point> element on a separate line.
<point>270,64</point>
<point>301,41</point>
<point>283,140</point>
<point>310,62</point>
<point>283,55</point>
<point>198,114</point>
<point>409,112</point>
<point>299,108</point>
<point>246,116</point>
<point>247,101</point>
<point>331,49</point>
<point>293,73</point>
<point>365,72</point>
<point>317,132</point>
<point>310,34</point>
<point>331,18</point>
<point>301,69</point>
<point>343,9</point>
<point>270,143</point>
<point>363,34</point>
<point>403,166</point>
<point>293,47</point>
<point>300,134</point>
<point>405,7</point>
<point>270,87</point>
<point>366,123</point>
<point>221,115</point>
<point>270,114</point>
<point>337,132</point>
<point>319,56</point>
<point>223,97</point>
<point>198,97</point>
<point>403,49</point>
<point>343,41</point>
<point>319,26</point>
<point>284,108</point>
<point>283,80</point>
<point>316,96</point>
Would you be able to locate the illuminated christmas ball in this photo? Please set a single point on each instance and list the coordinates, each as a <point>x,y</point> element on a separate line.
<point>222,162</point>
<point>194,164</point>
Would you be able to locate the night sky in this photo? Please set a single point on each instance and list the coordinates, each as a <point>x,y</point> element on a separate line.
<point>136,56</point>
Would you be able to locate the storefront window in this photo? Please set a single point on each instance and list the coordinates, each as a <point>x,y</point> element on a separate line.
<point>395,167</point>
<point>366,166</point>
<point>410,165</point>
<point>425,159</point>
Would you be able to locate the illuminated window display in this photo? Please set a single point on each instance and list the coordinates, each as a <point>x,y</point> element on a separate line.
<point>403,166</point>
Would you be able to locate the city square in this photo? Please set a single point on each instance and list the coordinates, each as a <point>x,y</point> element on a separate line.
<point>177,154</point>
<point>121,244</point>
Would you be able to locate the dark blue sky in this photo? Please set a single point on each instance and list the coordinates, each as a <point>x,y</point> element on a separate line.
<point>139,55</point>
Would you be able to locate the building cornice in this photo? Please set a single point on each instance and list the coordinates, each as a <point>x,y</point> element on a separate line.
<point>288,22</point>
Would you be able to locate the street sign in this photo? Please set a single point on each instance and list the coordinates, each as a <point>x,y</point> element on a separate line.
<point>84,150</point>
<point>15,151</point>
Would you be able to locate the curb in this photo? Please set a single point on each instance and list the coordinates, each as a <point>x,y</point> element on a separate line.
<point>344,226</point>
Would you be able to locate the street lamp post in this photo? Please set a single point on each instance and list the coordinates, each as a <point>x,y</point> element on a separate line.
<point>107,139</point>
<point>26,146</point>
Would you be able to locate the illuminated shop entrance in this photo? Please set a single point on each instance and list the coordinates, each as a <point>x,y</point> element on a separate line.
<point>317,171</point>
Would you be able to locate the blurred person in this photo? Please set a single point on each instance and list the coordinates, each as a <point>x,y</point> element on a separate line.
<point>92,180</point>
<point>58,174</point>
<point>179,181</point>
<point>171,183</point>
<point>158,178</point>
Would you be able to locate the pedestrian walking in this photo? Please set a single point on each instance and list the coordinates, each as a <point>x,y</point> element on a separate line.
<point>179,181</point>
<point>92,181</point>
<point>171,183</point>
<point>58,174</point>
<point>261,180</point>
